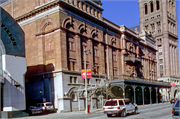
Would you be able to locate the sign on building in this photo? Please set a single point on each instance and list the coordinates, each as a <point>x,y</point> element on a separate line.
<point>88,73</point>
<point>173,84</point>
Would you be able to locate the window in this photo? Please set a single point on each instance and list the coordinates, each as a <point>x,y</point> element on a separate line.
<point>160,61</point>
<point>111,103</point>
<point>71,65</point>
<point>71,78</point>
<point>121,102</point>
<point>126,102</point>
<point>157,4</point>
<point>49,46</point>
<point>71,45</point>
<point>160,49</point>
<point>88,81</point>
<point>161,68</point>
<point>151,6</point>
<point>146,10</point>
<point>75,79</point>
<point>98,81</point>
<point>73,97</point>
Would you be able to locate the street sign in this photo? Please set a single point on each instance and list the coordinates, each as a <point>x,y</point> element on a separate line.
<point>88,73</point>
<point>173,84</point>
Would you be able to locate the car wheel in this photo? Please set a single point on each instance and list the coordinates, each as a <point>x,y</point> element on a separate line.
<point>135,111</point>
<point>123,113</point>
<point>109,115</point>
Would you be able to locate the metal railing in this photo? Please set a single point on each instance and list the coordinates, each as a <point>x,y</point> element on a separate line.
<point>119,77</point>
<point>6,76</point>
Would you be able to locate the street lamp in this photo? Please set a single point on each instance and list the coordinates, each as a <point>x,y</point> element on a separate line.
<point>86,110</point>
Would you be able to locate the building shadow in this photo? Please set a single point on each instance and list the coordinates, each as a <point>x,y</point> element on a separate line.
<point>39,83</point>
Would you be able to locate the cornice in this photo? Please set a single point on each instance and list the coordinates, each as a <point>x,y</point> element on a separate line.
<point>37,10</point>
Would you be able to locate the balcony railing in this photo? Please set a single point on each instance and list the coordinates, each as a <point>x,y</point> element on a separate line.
<point>120,77</point>
<point>132,59</point>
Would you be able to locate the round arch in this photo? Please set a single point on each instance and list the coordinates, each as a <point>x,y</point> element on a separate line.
<point>153,95</point>
<point>47,22</point>
<point>70,24</point>
<point>129,93</point>
<point>146,95</point>
<point>117,91</point>
<point>175,93</point>
<point>138,91</point>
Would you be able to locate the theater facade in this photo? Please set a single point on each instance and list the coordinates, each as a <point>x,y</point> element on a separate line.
<point>123,61</point>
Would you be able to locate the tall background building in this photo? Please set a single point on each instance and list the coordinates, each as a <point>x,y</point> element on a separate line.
<point>159,18</point>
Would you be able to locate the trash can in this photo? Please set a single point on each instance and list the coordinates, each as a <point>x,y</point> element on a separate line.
<point>88,108</point>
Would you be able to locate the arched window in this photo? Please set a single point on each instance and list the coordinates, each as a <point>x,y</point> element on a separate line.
<point>146,10</point>
<point>157,4</point>
<point>151,3</point>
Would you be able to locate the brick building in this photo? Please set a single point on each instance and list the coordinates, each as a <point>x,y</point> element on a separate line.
<point>123,61</point>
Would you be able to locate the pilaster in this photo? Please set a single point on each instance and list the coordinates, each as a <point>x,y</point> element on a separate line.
<point>78,53</point>
<point>150,94</point>
<point>143,93</point>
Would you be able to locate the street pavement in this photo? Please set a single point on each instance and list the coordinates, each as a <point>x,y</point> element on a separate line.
<point>154,111</point>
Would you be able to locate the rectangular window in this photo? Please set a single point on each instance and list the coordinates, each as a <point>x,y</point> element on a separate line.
<point>52,45</point>
<point>111,103</point>
<point>71,78</point>
<point>49,46</point>
<point>75,79</point>
<point>73,66</point>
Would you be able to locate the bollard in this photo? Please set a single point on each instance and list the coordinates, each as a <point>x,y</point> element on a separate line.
<point>88,108</point>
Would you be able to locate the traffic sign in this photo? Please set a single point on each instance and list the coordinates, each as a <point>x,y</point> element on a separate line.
<point>88,73</point>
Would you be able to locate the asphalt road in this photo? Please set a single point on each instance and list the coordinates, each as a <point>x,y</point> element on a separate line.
<point>155,111</point>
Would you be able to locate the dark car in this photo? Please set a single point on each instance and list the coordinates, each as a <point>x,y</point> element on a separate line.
<point>34,110</point>
<point>173,100</point>
<point>176,110</point>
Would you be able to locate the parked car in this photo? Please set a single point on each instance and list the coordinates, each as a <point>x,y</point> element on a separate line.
<point>34,110</point>
<point>173,100</point>
<point>119,107</point>
<point>46,107</point>
<point>176,109</point>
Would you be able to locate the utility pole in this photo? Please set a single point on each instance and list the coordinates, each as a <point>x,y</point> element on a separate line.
<point>86,110</point>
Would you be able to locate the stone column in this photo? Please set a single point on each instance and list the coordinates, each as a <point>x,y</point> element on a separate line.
<point>171,60</point>
<point>134,88</point>
<point>137,50</point>
<point>156,94</point>
<point>175,59</point>
<point>107,61</point>
<point>150,94</point>
<point>177,54</point>
<point>143,93</point>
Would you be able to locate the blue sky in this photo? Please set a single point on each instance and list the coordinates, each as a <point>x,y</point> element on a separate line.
<point>126,12</point>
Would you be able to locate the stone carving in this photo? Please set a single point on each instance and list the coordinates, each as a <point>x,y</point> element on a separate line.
<point>130,46</point>
<point>130,71</point>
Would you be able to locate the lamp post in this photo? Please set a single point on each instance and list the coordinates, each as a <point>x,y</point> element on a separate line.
<point>86,110</point>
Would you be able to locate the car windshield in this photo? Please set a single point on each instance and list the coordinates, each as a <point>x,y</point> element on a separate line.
<point>111,103</point>
<point>48,104</point>
<point>177,104</point>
